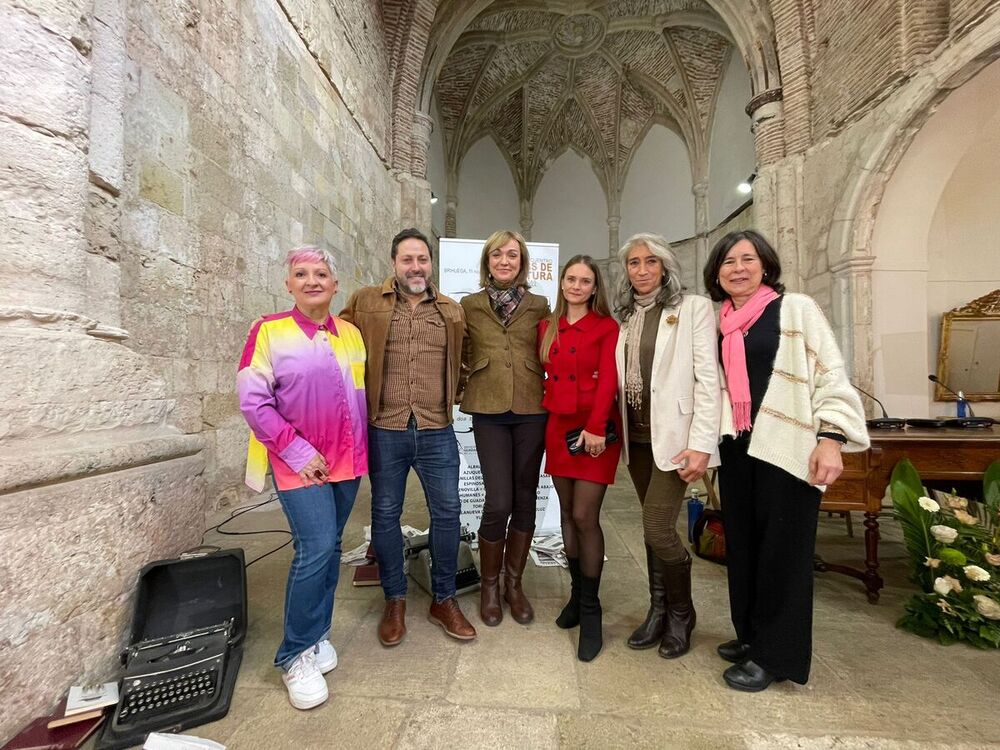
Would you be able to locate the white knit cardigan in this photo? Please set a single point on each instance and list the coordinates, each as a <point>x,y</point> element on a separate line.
<point>809,388</point>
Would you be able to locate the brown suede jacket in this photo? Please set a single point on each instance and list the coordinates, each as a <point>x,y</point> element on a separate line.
<point>501,363</point>
<point>370,309</point>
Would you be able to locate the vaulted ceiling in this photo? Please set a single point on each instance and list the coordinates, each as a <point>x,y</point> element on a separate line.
<point>541,77</point>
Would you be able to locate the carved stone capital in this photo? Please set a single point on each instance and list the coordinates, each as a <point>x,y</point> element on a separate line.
<point>764,97</point>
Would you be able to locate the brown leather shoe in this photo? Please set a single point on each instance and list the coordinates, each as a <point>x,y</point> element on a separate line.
<point>490,559</point>
<point>393,626</point>
<point>448,615</point>
<point>518,544</point>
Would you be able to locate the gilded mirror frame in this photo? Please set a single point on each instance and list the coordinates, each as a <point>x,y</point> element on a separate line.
<point>986,307</point>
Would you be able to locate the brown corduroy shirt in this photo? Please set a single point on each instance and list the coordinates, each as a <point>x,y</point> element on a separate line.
<point>413,378</point>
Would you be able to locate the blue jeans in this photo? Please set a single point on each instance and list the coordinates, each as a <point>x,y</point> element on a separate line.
<point>316,516</point>
<point>433,454</point>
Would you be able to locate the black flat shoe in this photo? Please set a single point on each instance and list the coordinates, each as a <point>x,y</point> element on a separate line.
<point>749,677</point>
<point>733,651</point>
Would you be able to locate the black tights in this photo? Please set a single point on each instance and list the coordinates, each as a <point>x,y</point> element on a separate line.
<point>509,457</point>
<point>580,515</point>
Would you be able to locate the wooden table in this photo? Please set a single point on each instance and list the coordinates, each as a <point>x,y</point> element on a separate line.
<point>938,454</point>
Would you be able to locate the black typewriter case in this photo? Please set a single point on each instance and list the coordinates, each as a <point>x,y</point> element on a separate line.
<point>173,597</point>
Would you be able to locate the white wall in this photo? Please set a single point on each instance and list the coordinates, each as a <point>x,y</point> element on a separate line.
<point>657,193</point>
<point>437,174</point>
<point>731,150</point>
<point>570,208</point>
<point>936,242</point>
<point>487,197</point>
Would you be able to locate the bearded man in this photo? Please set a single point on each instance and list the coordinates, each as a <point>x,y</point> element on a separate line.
<point>413,335</point>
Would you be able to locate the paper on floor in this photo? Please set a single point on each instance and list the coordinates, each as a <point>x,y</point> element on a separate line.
<point>163,741</point>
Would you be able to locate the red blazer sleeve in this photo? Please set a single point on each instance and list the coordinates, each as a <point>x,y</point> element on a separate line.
<point>607,379</point>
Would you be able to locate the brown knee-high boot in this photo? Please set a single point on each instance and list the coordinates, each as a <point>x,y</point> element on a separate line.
<point>490,559</point>
<point>518,544</point>
<point>681,616</point>
<point>650,632</point>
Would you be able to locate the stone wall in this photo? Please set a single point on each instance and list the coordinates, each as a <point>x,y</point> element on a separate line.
<point>875,73</point>
<point>236,152</point>
<point>156,161</point>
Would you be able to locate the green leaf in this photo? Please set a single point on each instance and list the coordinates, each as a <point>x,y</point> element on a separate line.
<point>906,475</point>
<point>991,486</point>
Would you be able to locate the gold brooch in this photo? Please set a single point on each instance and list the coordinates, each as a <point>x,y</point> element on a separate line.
<point>671,320</point>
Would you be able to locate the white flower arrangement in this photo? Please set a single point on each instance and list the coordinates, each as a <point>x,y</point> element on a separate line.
<point>954,547</point>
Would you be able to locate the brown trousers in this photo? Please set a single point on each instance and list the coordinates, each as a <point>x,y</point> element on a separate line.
<point>661,494</point>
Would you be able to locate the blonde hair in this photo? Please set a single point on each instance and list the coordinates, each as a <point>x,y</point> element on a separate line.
<point>598,303</point>
<point>496,241</point>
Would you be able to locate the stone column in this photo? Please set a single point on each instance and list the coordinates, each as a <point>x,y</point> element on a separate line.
<point>451,215</point>
<point>614,223</point>
<point>701,228</point>
<point>423,126</point>
<point>767,117</point>
<point>851,318</point>
<point>415,191</point>
<point>527,218</point>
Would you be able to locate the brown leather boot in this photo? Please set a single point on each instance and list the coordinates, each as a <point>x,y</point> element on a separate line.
<point>392,628</point>
<point>449,616</point>
<point>490,560</point>
<point>681,616</point>
<point>518,544</point>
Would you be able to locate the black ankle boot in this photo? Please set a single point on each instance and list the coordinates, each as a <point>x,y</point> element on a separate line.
<point>733,651</point>
<point>649,633</point>
<point>749,677</point>
<point>681,616</point>
<point>591,636</point>
<point>570,615</point>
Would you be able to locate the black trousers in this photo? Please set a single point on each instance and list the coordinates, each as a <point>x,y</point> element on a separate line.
<point>510,455</point>
<point>770,520</point>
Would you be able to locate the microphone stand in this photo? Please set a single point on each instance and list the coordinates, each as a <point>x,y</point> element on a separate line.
<point>885,422</point>
<point>970,421</point>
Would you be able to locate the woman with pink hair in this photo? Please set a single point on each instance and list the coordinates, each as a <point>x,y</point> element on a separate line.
<point>301,385</point>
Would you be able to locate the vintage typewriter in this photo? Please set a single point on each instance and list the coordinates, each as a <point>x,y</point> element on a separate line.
<point>168,678</point>
<point>417,554</point>
<point>184,647</point>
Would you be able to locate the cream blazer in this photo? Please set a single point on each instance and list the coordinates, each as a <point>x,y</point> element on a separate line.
<point>685,392</point>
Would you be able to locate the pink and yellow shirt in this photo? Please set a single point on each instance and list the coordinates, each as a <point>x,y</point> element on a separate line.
<point>301,387</point>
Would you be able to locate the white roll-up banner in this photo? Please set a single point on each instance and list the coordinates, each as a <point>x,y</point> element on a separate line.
<point>458,264</point>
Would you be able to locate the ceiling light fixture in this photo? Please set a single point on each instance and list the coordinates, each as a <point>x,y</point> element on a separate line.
<point>746,187</point>
<point>434,199</point>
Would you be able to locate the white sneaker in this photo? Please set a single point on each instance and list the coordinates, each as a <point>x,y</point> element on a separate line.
<point>305,683</point>
<point>326,656</point>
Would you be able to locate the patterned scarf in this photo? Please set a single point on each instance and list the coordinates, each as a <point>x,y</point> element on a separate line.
<point>504,300</point>
<point>633,341</point>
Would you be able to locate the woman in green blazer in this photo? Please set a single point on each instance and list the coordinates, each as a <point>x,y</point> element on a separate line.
<point>503,393</point>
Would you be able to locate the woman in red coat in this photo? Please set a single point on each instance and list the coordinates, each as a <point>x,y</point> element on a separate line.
<point>577,348</point>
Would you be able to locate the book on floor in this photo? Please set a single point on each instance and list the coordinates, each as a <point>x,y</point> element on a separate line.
<point>367,573</point>
<point>60,719</point>
<point>38,736</point>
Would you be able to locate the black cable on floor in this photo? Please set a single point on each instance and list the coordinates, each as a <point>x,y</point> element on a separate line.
<point>239,512</point>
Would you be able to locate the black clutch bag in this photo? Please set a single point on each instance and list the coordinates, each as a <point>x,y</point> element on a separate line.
<point>573,436</point>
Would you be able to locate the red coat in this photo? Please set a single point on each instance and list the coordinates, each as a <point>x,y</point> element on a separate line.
<point>581,374</point>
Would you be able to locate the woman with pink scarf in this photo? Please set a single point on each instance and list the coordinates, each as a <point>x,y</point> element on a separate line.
<point>788,412</point>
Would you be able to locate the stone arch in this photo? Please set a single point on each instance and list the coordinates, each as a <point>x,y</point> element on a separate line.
<point>848,247</point>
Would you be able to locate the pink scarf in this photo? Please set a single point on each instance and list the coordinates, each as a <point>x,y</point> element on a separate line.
<point>734,325</point>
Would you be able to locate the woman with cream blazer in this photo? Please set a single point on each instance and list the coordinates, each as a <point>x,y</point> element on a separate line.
<point>671,406</point>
